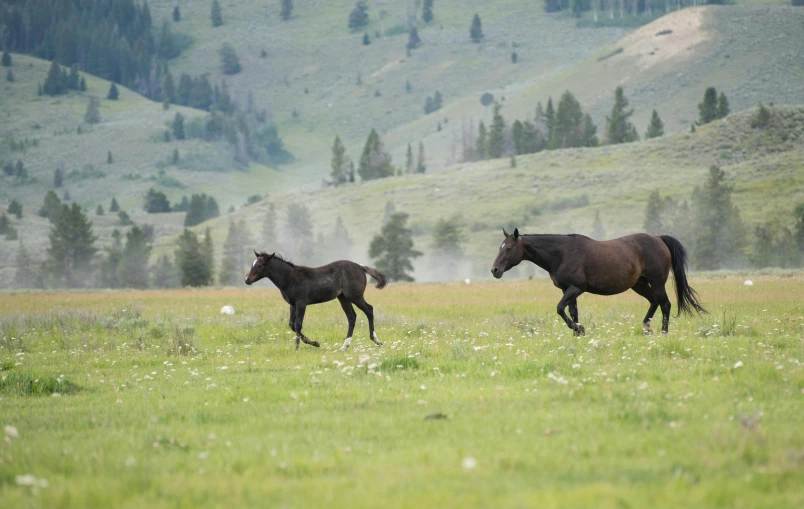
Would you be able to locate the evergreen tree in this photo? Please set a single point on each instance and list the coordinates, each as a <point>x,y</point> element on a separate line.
<point>589,132</point>
<point>413,39</point>
<point>427,11</point>
<point>481,146</point>
<point>618,127</point>
<point>201,94</point>
<point>236,255</point>
<point>10,76</point>
<point>339,163</point>
<point>55,83</point>
<point>82,85</point>
<point>298,233</point>
<point>722,106</point>
<point>109,158</point>
<point>113,93</point>
<point>549,118</point>
<point>15,208</point>
<point>598,230</point>
<point>359,17</point>
<point>178,126</point>
<point>476,30</point>
<point>164,273</point>
<point>5,224</point>
<point>99,210</point>
<point>114,206</point>
<point>156,202</point>
<point>133,269</point>
<point>285,9</point>
<point>217,20</point>
<point>168,48</point>
<point>446,245</point>
<point>229,59</point>
<point>73,78</point>
<point>51,208</point>
<point>366,40</point>
<point>392,249</point>
<point>201,208</point>
<point>707,109</point>
<point>518,136</point>
<point>93,116</point>
<point>567,129</point>
<point>123,219</point>
<point>496,138</point>
<point>340,243</point>
<point>191,262</point>
<point>421,167</point>
<point>72,248</point>
<point>798,230</point>
<point>176,14</point>
<point>390,210</point>
<point>719,232</point>
<point>269,227</point>
<point>168,89</point>
<point>351,171</point>
<point>7,62</point>
<point>409,160</point>
<point>185,90</point>
<point>656,126</point>
<point>208,252</point>
<point>374,161</point>
<point>761,118</point>
<point>26,275</point>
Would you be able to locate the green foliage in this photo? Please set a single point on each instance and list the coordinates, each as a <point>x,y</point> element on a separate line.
<point>6,60</point>
<point>164,273</point>
<point>392,249</point>
<point>339,163</point>
<point>359,17</point>
<point>476,30</point>
<point>298,232</point>
<point>722,106</point>
<point>589,132</point>
<point>192,263</point>
<point>215,16</point>
<point>719,234</point>
<point>168,89</point>
<point>5,224</point>
<point>366,40</point>
<point>447,240</point>
<point>123,219</point>
<point>156,202</point>
<point>775,246</point>
<point>27,274</point>
<point>421,167</point>
<point>201,208</point>
<point>413,39</point>
<point>114,206</point>
<point>619,128</point>
<point>25,384</point>
<point>269,232</point>
<point>51,208</point>
<point>236,254</point>
<point>409,168</point>
<point>374,161</point>
<point>92,115</point>
<point>567,127</point>
<point>230,62</point>
<point>514,57</point>
<point>55,83</point>
<point>113,94</point>
<point>339,244</point>
<point>178,126</point>
<point>434,103</point>
<point>72,248</point>
<point>133,269</point>
<point>707,109</point>
<point>285,9</point>
<point>15,208</point>
<point>655,127</point>
<point>496,138</point>
<point>168,47</point>
<point>176,14</point>
<point>482,143</point>
<point>761,118</point>
<point>427,11</point>
<point>99,210</point>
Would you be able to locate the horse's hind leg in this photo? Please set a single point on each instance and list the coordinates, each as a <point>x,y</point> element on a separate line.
<point>642,288</point>
<point>367,308</point>
<point>351,317</point>
<point>664,303</point>
<point>573,309</point>
<point>570,294</point>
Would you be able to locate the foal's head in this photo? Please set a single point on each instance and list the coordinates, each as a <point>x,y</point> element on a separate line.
<point>511,253</point>
<point>260,268</point>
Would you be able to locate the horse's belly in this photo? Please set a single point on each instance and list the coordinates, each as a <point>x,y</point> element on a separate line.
<point>612,282</point>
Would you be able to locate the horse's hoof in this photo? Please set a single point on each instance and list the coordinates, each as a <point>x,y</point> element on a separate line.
<point>315,344</point>
<point>579,330</point>
<point>378,343</point>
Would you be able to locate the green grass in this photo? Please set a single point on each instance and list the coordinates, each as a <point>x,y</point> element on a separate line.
<point>533,415</point>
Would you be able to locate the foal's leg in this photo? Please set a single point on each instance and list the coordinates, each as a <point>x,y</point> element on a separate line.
<point>642,288</point>
<point>570,294</point>
<point>351,317</point>
<point>367,308</point>
<point>292,322</point>
<point>300,309</point>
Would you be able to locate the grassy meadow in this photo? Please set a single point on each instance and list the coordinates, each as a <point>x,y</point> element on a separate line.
<point>155,399</point>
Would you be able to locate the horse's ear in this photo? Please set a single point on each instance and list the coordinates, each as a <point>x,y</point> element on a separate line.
<point>516,233</point>
<point>256,254</point>
<point>272,255</point>
<point>505,233</point>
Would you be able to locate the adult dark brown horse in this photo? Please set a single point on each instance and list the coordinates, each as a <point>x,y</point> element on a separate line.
<point>578,264</point>
<point>303,286</point>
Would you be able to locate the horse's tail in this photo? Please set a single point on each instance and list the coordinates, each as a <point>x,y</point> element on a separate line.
<point>376,274</point>
<point>687,297</point>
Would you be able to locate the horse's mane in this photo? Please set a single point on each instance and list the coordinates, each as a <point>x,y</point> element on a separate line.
<point>278,257</point>
<point>551,235</point>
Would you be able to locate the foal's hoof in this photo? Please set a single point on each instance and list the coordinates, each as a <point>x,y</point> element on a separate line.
<point>579,330</point>
<point>315,344</point>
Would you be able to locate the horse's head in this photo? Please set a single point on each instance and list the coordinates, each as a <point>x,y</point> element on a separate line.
<point>259,269</point>
<point>511,253</point>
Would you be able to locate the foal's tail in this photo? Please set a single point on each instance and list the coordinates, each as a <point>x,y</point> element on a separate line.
<point>687,297</point>
<point>376,274</point>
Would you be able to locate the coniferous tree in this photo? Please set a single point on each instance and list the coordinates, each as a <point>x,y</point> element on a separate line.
<point>133,269</point>
<point>229,59</point>
<point>168,48</point>
<point>156,202</point>
<point>6,61</point>
<point>58,178</point>
<point>236,255</point>
<point>109,157</point>
<point>374,161</point>
<point>285,9</point>
<point>339,163</point>
<point>619,128</point>
<point>55,83</point>
<point>446,245</point>
<point>598,230</point>
<point>567,128</point>
<point>191,262</point>
<point>123,219</point>
<point>656,126</point>
<point>409,168</point>
<point>51,208</point>
<point>722,106</point>
<point>298,234</point>
<point>427,11</point>
<point>518,136</point>
<point>93,116</point>
<point>5,224</point>
<point>72,248</point>
<point>589,132</point>
<point>201,94</point>
<point>392,249</point>
<point>761,118</point>
<point>113,93</point>
<point>494,148</point>
<point>421,167</point>
<point>413,39</point>
<point>10,76</point>
<point>208,252</point>
<point>15,208</point>
<point>390,210</point>
<point>178,126</point>
<point>185,90</point>
<point>481,146</point>
<point>707,109</point>
<point>216,17</point>
<point>549,118</point>
<point>164,273</point>
<point>168,89</point>
<point>366,40</point>
<point>73,78</point>
<point>798,230</point>
<point>99,210</point>
<point>476,30</point>
<point>339,245</point>
<point>26,275</point>
<point>269,236</point>
<point>719,232</point>
<point>111,261</point>
<point>82,85</point>
<point>176,14</point>
<point>114,206</point>
<point>359,16</point>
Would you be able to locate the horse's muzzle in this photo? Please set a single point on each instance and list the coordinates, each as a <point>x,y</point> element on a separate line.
<point>246,280</point>
<point>496,272</point>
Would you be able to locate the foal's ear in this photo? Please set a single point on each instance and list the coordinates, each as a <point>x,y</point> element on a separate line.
<point>256,254</point>
<point>272,255</point>
<point>505,233</point>
<point>516,233</point>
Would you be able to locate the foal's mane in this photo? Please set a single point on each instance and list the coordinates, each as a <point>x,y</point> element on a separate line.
<point>278,257</point>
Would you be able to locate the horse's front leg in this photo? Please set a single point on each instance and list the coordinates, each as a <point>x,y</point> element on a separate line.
<point>570,294</point>
<point>300,309</point>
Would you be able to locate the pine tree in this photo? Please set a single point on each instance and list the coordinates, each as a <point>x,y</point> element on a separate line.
<point>549,118</point>
<point>298,234</point>
<point>82,85</point>
<point>185,90</point>
<point>352,171</point>
<point>413,39</point>
<point>707,109</point>
<point>15,208</point>
<point>496,137</point>
<point>114,206</point>
<point>269,236</point>
<point>191,262</point>
<point>208,253</point>
<point>656,126</point>
<point>10,76</point>
<point>167,48</point>
<point>798,229</point>
<point>175,157</point>
<point>5,224</point>
<point>598,231</point>
<point>366,40</point>
<point>58,178</point>
<point>168,89</point>
<point>7,62</point>
<point>51,208</point>
<point>236,256</point>
<point>421,167</point>
<point>761,118</point>
<point>339,163</point>
<point>719,232</point>
<point>26,275</point>
<point>72,249</point>
<point>178,126</point>
<point>589,132</point>
<point>55,84</point>
<point>73,78</point>
<point>476,30</point>
<point>618,128</point>
<point>481,146</point>
<point>722,106</point>
<point>374,161</point>
<point>164,273</point>
<point>447,238</point>
<point>93,116</point>
<point>229,59</point>
<point>156,202</point>
<point>340,243</point>
<point>392,249</point>
<point>427,11</point>
<point>359,17</point>
<point>285,9</point>
<point>133,269</point>
<point>567,129</point>
<point>518,136</point>
<point>99,210</point>
<point>176,14</point>
<point>216,17</point>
